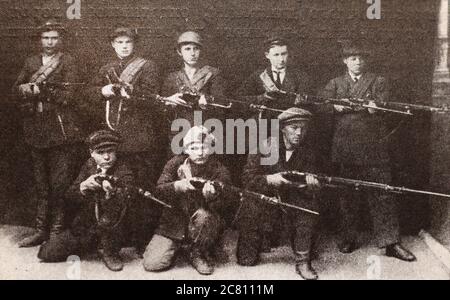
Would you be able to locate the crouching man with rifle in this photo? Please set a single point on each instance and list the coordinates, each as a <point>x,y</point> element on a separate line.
<point>103,205</point>
<point>294,154</point>
<point>196,219</point>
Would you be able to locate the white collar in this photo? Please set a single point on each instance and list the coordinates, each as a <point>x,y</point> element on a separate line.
<point>282,71</point>
<point>353,76</point>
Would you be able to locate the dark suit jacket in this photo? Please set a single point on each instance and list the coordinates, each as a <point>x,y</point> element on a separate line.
<point>174,222</point>
<point>141,121</point>
<point>43,129</point>
<point>359,137</point>
<point>252,90</point>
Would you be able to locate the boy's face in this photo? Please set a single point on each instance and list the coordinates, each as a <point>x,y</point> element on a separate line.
<point>190,53</point>
<point>198,153</point>
<point>355,64</point>
<point>105,158</point>
<point>278,57</point>
<point>123,45</point>
<point>50,42</point>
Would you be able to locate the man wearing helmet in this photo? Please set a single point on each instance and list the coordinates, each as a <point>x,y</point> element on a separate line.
<point>194,78</point>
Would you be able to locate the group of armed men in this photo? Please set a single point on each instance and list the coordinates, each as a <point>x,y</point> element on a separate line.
<point>125,195</point>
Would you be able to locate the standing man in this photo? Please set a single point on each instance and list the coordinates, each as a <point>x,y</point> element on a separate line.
<point>196,218</point>
<point>195,79</point>
<point>125,88</point>
<point>294,155</point>
<point>51,127</point>
<point>360,151</point>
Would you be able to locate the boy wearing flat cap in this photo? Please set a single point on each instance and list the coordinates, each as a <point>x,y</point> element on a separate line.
<point>52,127</point>
<point>100,221</point>
<point>360,151</point>
<point>294,155</point>
<point>195,78</point>
<point>196,217</point>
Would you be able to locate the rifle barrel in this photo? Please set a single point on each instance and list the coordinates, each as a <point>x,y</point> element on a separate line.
<point>333,181</point>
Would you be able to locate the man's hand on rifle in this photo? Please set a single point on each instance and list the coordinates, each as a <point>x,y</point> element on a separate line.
<point>175,100</point>
<point>371,110</point>
<point>312,182</point>
<point>209,191</point>
<point>276,180</point>
<point>299,99</point>
<point>183,186</point>
<point>202,102</point>
<point>90,184</point>
<point>108,91</point>
<point>28,89</point>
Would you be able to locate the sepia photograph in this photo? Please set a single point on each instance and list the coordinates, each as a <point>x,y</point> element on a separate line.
<point>233,140</point>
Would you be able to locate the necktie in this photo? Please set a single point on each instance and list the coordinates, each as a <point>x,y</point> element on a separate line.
<point>355,79</point>
<point>278,80</point>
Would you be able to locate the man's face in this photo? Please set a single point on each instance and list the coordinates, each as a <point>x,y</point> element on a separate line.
<point>190,53</point>
<point>355,64</point>
<point>50,42</point>
<point>105,157</point>
<point>199,153</point>
<point>294,133</point>
<point>278,57</point>
<point>123,45</point>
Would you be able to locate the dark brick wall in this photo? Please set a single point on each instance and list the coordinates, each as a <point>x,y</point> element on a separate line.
<point>234,30</point>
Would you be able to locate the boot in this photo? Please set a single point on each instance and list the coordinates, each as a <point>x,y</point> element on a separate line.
<point>399,252</point>
<point>112,261</point>
<point>199,261</point>
<point>35,240</point>
<point>303,266</point>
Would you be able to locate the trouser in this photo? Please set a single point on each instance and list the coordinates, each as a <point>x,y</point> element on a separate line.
<point>54,170</point>
<point>204,231</point>
<point>252,224</point>
<point>382,205</point>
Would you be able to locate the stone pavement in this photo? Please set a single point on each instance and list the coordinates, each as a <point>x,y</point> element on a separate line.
<point>365,263</point>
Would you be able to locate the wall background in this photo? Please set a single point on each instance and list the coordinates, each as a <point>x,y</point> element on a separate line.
<point>403,41</point>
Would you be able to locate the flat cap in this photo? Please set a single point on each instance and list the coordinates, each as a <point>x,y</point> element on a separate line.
<point>198,135</point>
<point>294,114</point>
<point>50,25</point>
<point>103,139</point>
<point>190,37</point>
<point>124,31</point>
